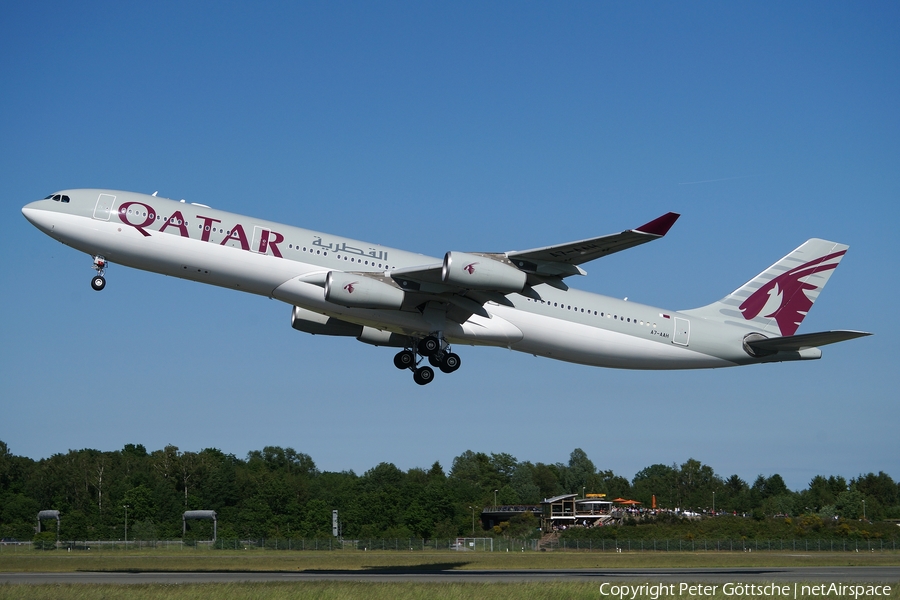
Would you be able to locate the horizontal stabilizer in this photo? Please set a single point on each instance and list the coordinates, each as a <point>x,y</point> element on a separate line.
<point>795,343</point>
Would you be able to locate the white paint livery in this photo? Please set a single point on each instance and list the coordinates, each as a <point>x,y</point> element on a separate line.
<point>390,297</point>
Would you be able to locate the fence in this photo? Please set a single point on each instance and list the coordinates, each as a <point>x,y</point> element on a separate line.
<point>730,545</point>
<point>454,545</point>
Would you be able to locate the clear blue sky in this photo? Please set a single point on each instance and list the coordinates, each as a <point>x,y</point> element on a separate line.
<point>455,126</point>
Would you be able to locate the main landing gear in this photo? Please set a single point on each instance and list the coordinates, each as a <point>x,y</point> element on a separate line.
<point>438,353</point>
<point>99,282</point>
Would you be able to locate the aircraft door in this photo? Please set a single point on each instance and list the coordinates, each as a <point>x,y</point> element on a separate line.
<point>682,332</point>
<point>260,241</point>
<point>104,206</point>
<point>265,241</point>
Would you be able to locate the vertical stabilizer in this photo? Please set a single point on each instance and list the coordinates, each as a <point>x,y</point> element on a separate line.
<point>777,300</point>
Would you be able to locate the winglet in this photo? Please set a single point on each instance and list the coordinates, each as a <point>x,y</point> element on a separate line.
<point>659,226</point>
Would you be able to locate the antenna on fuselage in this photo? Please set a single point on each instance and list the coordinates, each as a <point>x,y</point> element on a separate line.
<point>155,193</point>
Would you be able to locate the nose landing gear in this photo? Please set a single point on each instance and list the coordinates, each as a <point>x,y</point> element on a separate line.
<point>99,281</point>
<point>438,353</point>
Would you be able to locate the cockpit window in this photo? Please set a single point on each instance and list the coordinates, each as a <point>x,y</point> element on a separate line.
<point>64,199</point>
<point>57,197</point>
<point>48,197</point>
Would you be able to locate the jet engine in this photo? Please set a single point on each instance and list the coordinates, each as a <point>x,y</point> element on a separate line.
<point>475,272</point>
<point>359,291</point>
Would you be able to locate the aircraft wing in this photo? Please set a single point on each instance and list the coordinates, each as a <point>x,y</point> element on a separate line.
<point>426,283</point>
<point>464,282</point>
<point>499,274</point>
<point>794,343</point>
<point>582,251</point>
<point>549,264</point>
<point>429,274</point>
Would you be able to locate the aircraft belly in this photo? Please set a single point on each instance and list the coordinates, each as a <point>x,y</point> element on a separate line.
<point>173,255</point>
<point>481,331</point>
<point>584,344</point>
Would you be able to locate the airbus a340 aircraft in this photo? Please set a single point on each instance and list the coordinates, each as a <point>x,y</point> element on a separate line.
<point>388,297</point>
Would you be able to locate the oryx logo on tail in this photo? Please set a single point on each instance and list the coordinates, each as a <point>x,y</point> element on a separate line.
<point>784,298</point>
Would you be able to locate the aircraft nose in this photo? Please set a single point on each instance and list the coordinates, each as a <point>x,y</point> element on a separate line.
<point>36,215</point>
<point>30,211</point>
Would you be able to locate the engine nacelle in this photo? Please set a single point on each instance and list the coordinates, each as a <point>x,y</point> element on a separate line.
<point>376,337</point>
<point>359,291</point>
<point>481,273</point>
<point>316,324</point>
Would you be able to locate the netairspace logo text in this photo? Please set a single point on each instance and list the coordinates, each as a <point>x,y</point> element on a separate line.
<point>655,591</point>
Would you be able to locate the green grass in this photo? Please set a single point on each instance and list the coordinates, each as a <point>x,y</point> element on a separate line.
<point>230,560</point>
<point>319,590</point>
<point>193,560</point>
<point>341,591</point>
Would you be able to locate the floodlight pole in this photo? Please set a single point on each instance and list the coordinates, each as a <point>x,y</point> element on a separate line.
<point>495,498</point>
<point>125,506</point>
<point>714,503</point>
<point>473,520</point>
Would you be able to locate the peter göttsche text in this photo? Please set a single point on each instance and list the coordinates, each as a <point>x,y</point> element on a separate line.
<point>654,591</point>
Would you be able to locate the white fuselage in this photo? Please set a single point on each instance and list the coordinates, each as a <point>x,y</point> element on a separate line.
<point>288,263</point>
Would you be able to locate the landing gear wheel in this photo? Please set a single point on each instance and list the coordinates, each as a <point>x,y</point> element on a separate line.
<point>449,362</point>
<point>98,282</point>
<point>435,359</point>
<point>423,375</point>
<point>404,359</point>
<point>429,345</point>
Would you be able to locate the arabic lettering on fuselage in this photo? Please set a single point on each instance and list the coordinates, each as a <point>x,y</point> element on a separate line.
<point>344,248</point>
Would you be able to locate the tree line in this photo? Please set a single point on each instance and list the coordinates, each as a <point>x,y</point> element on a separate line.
<point>279,492</point>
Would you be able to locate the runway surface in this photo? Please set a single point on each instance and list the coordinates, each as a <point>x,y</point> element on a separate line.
<point>724,575</point>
